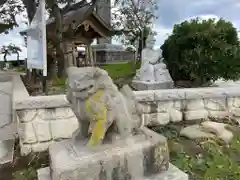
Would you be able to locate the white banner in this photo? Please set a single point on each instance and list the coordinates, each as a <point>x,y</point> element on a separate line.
<point>36,41</point>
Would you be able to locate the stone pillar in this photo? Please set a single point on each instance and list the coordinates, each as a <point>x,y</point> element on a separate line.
<point>6,117</point>
<point>103,9</point>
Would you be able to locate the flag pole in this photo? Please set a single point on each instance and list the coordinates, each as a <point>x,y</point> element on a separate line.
<point>44,44</point>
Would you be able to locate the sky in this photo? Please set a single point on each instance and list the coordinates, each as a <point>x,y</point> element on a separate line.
<point>169,13</point>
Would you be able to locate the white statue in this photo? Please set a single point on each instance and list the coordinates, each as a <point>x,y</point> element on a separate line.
<point>152,67</point>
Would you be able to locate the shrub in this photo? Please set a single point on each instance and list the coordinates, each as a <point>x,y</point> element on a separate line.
<point>203,50</point>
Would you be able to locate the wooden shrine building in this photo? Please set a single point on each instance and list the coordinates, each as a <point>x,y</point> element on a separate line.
<point>80,27</point>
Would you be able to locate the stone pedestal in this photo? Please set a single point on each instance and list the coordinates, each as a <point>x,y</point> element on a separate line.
<point>143,85</point>
<point>173,173</point>
<point>141,157</point>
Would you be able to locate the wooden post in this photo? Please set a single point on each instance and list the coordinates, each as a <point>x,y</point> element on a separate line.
<point>95,57</point>
<point>87,59</point>
<point>91,55</point>
<point>75,54</point>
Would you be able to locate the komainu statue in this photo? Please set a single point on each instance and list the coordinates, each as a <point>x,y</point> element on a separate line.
<point>102,110</point>
<point>111,143</point>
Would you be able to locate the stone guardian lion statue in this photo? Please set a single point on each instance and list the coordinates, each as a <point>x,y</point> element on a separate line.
<point>100,107</point>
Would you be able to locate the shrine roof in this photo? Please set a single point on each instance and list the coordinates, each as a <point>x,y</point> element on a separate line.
<point>76,13</point>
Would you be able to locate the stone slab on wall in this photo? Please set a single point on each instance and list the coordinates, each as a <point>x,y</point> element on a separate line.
<point>38,102</point>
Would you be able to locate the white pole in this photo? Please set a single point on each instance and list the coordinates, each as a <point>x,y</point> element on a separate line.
<point>44,45</point>
<point>44,34</point>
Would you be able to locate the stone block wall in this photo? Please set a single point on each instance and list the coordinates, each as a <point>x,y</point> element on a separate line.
<point>43,120</point>
<point>163,106</point>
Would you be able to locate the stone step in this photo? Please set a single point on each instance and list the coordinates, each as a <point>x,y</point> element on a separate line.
<point>173,173</point>
<point>6,151</point>
<point>142,155</point>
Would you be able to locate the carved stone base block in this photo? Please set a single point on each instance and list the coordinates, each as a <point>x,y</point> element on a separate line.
<point>173,173</point>
<point>143,85</point>
<point>143,155</point>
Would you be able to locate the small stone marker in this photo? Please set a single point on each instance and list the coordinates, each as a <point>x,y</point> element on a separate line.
<point>208,129</point>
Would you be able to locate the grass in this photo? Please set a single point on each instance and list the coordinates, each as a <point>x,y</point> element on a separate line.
<point>117,71</point>
<point>19,69</point>
<point>120,73</point>
<point>24,167</point>
<point>203,159</point>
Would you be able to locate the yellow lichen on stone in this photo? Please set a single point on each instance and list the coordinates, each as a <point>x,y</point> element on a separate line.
<point>98,133</point>
<point>97,110</point>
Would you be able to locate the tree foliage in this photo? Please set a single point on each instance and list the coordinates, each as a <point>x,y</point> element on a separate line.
<point>203,50</point>
<point>133,20</point>
<point>8,11</point>
<point>5,51</point>
<point>10,49</point>
<point>13,49</point>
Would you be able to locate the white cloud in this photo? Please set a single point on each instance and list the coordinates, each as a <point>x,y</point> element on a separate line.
<point>162,34</point>
<point>202,17</point>
<point>15,38</point>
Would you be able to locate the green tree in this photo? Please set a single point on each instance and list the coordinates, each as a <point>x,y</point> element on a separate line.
<point>10,49</point>
<point>203,50</point>
<point>5,51</point>
<point>130,49</point>
<point>13,49</point>
<point>134,22</point>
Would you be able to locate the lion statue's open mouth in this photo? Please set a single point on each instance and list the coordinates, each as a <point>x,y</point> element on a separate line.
<point>86,88</point>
